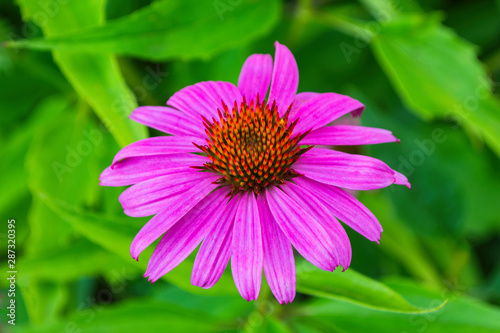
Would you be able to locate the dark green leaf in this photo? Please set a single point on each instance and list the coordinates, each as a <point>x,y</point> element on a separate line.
<point>353,287</point>
<point>159,32</point>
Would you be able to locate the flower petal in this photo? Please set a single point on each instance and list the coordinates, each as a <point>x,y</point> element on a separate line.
<point>322,109</point>
<point>152,196</point>
<point>204,98</point>
<point>160,145</point>
<point>169,120</point>
<point>350,171</point>
<point>401,179</point>
<point>255,76</point>
<point>134,170</point>
<point>215,251</point>
<point>185,235</point>
<point>174,207</point>
<point>345,207</point>
<point>279,264</point>
<point>305,233</point>
<point>300,99</point>
<point>285,79</point>
<point>247,253</point>
<point>318,211</point>
<point>344,135</point>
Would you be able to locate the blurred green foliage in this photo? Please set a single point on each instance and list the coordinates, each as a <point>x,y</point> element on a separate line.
<point>72,71</point>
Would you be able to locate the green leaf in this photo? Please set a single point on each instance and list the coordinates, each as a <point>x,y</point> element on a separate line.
<point>142,315</point>
<point>115,234</point>
<point>461,314</point>
<point>438,74</point>
<point>353,287</point>
<point>158,32</point>
<point>80,259</point>
<point>96,78</point>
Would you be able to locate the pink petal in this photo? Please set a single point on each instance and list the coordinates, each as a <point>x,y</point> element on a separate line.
<point>173,208</point>
<point>169,120</point>
<point>305,233</point>
<point>321,110</point>
<point>247,253</point>
<point>134,170</point>
<point>204,98</point>
<point>320,213</point>
<point>340,169</point>
<point>160,145</point>
<point>154,195</point>
<point>215,251</point>
<point>401,179</point>
<point>300,99</point>
<point>344,135</point>
<point>285,79</point>
<point>255,76</point>
<point>279,264</point>
<point>344,206</point>
<point>185,235</point>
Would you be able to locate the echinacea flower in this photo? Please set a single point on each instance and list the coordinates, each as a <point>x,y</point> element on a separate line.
<point>240,175</point>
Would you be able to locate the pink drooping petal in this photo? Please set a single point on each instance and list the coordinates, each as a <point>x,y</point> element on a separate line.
<point>185,235</point>
<point>356,172</point>
<point>322,109</point>
<point>204,98</point>
<point>401,179</point>
<point>174,207</point>
<point>345,135</point>
<point>134,170</point>
<point>169,120</point>
<point>160,145</point>
<point>154,195</point>
<point>344,206</point>
<point>320,213</point>
<point>305,233</point>
<point>255,76</point>
<point>285,79</point>
<point>247,253</point>
<point>279,264</point>
<point>215,251</point>
<point>300,99</point>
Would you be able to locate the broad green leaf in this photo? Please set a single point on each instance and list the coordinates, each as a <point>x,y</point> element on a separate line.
<point>353,287</point>
<point>438,74</point>
<point>159,32</point>
<point>385,10</point>
<point>141,315</point>
<point>13,150</point>
<point>116,234</point>
<point>96,78</point>
<point>81,259</point>
<point>461,314</point>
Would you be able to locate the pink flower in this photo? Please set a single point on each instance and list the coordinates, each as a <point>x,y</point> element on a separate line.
<point>241,177</point>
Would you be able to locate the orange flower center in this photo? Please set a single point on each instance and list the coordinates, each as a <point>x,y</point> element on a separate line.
<point>251,147</point>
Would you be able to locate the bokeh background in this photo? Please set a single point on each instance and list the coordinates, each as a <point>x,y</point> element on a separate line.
<point>72,71</point>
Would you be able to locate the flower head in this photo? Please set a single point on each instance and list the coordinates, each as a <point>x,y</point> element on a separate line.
<point>242,176</point>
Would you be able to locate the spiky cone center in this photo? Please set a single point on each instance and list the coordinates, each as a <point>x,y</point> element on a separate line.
<point>251,146</point>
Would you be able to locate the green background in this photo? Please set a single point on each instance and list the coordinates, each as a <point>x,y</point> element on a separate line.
<point>72,71</point>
